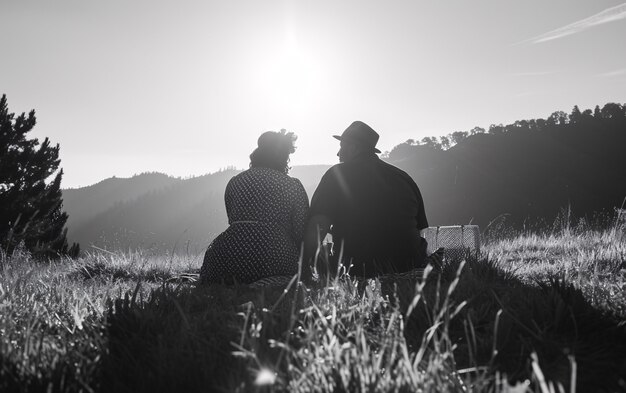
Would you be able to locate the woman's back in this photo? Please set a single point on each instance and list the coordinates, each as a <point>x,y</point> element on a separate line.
<point>266,211</point>
<point>267,196</point>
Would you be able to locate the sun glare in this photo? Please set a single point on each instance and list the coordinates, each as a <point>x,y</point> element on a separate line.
<point>289,78</point>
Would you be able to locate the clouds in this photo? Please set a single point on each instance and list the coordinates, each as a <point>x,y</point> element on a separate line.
<point>613,74</point>
<point>533,73</point>
<point>609,15</point>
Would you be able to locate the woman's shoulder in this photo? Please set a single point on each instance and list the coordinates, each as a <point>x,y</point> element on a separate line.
<point>242,179</point>
<point>259,171</point>
<point>262,174</point>
<point>270,174</point>
<point>238,177</point>
<point>256,171</point>
<point>295,182</point>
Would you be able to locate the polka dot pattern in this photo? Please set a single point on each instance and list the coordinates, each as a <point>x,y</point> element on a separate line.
<point>266,211</point>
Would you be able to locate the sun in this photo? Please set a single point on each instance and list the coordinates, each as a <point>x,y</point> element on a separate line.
<point>289,77</point>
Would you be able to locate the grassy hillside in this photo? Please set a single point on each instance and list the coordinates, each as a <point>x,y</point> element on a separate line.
<point>535,310</point>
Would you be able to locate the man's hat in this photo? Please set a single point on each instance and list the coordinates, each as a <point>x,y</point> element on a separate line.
<point>360,133</point>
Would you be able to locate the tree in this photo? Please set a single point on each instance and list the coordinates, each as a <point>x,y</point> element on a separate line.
<point>541,124</point>
<point>575,116</point>
<point>596,112</point>
<point>496,129</point>
<point>445,142</point>
<point>477,130</point>
<point>430,141</point>
<point>521,124</point>
<point>611,111</point>
<point>458,136</point>
<point>558,118</point>
<point>30,208</point>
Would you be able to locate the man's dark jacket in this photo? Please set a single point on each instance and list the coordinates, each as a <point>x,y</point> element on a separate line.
<point>376,211</point>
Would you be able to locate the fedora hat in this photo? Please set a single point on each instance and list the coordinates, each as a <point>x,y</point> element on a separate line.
<point>360,133</point>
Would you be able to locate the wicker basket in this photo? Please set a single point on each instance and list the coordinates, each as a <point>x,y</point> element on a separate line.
<point>459,241</point>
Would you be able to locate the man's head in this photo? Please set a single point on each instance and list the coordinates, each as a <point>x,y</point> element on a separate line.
<point>358,138</point>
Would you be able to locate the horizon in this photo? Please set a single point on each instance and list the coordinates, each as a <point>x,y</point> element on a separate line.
<point>174,176</point>
<point>231,167</point>
<point>185,89</point>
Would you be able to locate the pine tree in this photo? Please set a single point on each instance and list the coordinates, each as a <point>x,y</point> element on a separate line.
<point>575,116</point>
<point>30,209</point>
<point>597,113</point>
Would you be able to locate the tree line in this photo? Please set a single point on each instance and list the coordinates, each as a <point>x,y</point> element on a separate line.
<point>610,112</point>
<point>528,170</point>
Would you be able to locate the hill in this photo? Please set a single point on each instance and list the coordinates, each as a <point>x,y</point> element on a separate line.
<point>86,202</point>
<point>532,311</point>
<point>157,212</point>
<point>528,172</point>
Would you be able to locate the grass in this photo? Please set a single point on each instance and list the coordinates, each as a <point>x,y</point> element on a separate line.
<point>536,312</point>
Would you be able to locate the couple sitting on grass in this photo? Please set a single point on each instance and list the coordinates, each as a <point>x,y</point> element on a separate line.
<point>373,210</point>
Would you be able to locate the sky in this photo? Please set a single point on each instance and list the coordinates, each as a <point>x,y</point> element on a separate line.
<point>186,87</point>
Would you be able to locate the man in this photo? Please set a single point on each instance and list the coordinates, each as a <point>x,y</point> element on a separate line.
<point>373,210</point>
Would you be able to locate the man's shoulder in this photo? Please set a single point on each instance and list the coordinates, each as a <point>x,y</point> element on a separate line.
<point>337,167</point>
<point>394,171</point>
<point>336,174</point>
<point>392,168</point>
<point>365,166</point>
<point>334,170</point>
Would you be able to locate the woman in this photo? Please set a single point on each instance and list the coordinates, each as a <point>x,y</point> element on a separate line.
<point>266,211</point>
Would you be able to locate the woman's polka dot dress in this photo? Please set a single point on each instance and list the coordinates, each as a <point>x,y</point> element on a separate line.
<point>266,211</point>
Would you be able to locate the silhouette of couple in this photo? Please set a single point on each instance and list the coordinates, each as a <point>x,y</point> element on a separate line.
<point>373,210</point>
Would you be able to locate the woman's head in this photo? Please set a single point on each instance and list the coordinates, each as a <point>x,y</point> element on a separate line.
<point>273,150</point>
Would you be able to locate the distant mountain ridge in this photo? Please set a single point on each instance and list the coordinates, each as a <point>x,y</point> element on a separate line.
<point>156,211</point>
<point>527,171</point>
<point>85,202</point>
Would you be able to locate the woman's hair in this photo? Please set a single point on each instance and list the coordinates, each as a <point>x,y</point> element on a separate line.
<point>274,148</point>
